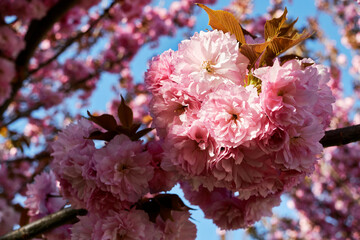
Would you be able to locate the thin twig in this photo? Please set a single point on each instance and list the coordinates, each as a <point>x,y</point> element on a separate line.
<point>70,41</point>
<point>66,88</point>
<point>62,217</point>
<point>17,115</point>
<point>41,155</point>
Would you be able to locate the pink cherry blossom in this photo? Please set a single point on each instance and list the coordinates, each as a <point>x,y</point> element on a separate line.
<point>226,210</point>
<point>129,10</point>
<point>237,146</point>
<point>209,59</point>
<point>188,149</point>
<point>290,91</point>
<point>180,227</point>
<point>123,168</point>
<point>160,70</point>
<point>83,229</point>
<point>232,115</point>
<point>72,160</point>
<point>175,106</point>
<point>8,217</point>
<point>355,68</point>
<point>162,180</point>
<point>10,43</point>
<point>249,176</point>
<point>274,139</point>
<point>43,195</point>
<point>9,185</point>
<point>25,10</point>
<point>133,224</point>
<point>300,151</point>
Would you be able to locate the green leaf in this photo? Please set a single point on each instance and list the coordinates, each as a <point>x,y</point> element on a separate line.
<point>224,21</point>
<point>125,114</point>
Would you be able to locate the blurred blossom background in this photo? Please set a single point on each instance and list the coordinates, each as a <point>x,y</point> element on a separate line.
<point>325,206</point>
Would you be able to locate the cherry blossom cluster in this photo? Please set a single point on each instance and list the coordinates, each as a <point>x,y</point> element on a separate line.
<point>242,136</point>
<point>237,133</point>
<point>128,24</point>
<point>331,191</point>
<point>115,184</point>
<point>46,82</point>
<point>43,198</point>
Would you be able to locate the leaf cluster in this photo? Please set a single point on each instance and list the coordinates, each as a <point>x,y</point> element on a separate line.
<point>109,123</point>
<point>279,36</point>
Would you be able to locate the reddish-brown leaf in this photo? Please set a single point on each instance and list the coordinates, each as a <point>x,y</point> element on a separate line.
<point>140,134</point>
<point>224,21</point>
<point>125,114</point>
<point>123,130</point>
<point>105,136</point>
<point>135,127</point>
<point>288,29</point>
<point>253,52</point>
<point>279,45</point>
<point>105,121</point>
<point>273,26</point>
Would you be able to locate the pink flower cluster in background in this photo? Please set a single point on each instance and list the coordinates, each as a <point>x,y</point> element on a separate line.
<point>237,138</point>
<point>233,134</point>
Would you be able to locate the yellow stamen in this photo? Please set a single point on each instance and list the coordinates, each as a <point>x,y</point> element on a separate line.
<point>207,66</point>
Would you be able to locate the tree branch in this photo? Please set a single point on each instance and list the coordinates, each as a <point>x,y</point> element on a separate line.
<point>35,34</point>
<point>78,36</point>
<point>64,216</point>
<point>41,155</point>
<point>17,115</point>
<point>341,136</point>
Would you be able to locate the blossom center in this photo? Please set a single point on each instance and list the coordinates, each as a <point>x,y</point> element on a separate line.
<point>181,109</point>
<point>207,66</point>
<point>121,235</point>
<point>294,139</point>
<point>121,167</point>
